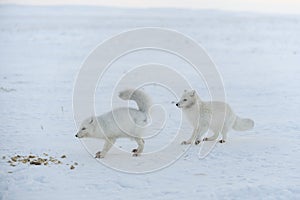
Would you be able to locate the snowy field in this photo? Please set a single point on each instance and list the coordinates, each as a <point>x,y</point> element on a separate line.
<point>41,51</point>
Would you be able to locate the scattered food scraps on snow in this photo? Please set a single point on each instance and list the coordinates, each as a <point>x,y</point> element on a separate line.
<point>36,160</point>
<point>3,89</point>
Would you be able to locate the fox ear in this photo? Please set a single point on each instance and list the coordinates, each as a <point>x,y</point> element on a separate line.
<point>193,92</point>
<point>92,120</point>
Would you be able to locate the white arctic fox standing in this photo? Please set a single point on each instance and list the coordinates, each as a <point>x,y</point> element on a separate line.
<point>216,116</point>
<point>120,122</point>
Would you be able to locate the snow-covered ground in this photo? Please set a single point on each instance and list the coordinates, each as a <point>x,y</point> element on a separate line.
<point>258,56</point>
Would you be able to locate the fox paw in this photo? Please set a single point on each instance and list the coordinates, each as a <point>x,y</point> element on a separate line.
<point>222,141</point>
<point>99,155</point>
<point>185,142</point>
<point>134,150</point>
<point>197,142</point>
<point>205,139</point>
<point>135,154</point>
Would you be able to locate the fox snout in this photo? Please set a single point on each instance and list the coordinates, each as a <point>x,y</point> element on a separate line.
<point>177,104</point>
<point>79,135</point>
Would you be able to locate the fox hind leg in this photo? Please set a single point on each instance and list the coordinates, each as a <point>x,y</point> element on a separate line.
<point>224,135</point>
<point>140,148</point>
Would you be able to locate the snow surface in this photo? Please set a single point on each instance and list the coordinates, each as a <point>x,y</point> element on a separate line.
<point>258,55</point>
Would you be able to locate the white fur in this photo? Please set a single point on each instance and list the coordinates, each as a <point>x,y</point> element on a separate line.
<point>215,116</point>
<point>120,122</point>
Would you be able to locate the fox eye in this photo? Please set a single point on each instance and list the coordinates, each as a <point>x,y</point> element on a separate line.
<point>184,99</point>
<point>83,128</point>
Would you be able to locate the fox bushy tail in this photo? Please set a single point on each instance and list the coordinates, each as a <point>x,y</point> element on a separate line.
<point>241,124</point>
<point>141,98</point>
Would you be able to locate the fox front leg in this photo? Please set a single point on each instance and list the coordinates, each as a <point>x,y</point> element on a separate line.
<point>192,138</point>
<point>197,133</point>
<point>212,138</point>
<point>107,145</point>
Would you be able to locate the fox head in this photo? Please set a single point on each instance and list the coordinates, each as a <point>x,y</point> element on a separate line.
<point>188,99</point>
<point>87,128</point>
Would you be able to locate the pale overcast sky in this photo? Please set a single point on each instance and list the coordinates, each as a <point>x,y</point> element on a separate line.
<point>277,6</point>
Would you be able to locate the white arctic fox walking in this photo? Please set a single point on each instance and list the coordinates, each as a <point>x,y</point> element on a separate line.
<point>216,116</point>
<point>120,122</point>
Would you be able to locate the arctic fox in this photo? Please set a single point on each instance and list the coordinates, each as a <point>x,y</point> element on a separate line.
<point>215,116</point>
<point>120,122</point>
